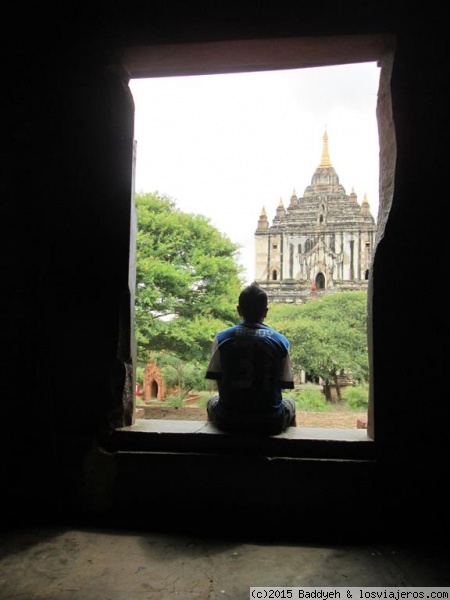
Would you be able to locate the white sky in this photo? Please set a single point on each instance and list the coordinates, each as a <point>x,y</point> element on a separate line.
<point>226,145</point>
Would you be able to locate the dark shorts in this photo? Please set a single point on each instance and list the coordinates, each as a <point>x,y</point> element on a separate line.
<point>265,424</point>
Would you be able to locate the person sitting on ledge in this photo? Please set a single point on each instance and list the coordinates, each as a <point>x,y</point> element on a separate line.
<point>251,365</point>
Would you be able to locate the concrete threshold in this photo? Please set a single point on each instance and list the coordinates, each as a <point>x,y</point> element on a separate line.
<point>165,435</point>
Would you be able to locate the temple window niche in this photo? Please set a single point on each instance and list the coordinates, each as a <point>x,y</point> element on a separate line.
<point>154,62</point>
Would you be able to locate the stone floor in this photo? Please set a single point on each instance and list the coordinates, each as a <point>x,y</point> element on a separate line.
<point>61,563</point>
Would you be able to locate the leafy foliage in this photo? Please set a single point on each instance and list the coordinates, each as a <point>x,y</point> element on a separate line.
<point>328,335</point>
<point>310,398</point>
<point>187,279</point>
<point>180,374</point>
<point>357,397</point>
<point>140,371</point>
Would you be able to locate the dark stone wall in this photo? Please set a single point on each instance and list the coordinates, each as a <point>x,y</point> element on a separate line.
<point>68,151</point>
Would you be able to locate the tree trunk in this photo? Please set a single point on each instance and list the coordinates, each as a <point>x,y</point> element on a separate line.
<point>338,387</point>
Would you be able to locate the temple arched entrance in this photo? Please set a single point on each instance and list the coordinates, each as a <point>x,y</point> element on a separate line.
<point>154,388</point>
<point>320,281</point>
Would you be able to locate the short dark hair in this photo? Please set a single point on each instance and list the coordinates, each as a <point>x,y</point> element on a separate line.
<point>253,303</point>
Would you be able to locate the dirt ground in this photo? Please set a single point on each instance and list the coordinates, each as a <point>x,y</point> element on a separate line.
<point>338,419</point>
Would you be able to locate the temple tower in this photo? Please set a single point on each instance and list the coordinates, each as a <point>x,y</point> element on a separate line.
<point>323,239</point>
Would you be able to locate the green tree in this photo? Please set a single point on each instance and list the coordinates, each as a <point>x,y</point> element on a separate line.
<point>328,335</point>
<point>181,376</point>
<point>187,280</point>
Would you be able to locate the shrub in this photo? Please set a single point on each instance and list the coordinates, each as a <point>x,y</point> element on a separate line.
<point>174,401</point>
<point>180,374</point>
<point>357,397</point>
<point>310,398</point>
<point>204,396</point>
<point>140,371</point>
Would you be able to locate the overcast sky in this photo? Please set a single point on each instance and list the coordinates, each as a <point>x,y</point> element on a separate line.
<point>226,146</point>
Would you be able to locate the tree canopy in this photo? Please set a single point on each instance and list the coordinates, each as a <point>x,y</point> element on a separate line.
<point>328,335</point>
<point>187,280</point>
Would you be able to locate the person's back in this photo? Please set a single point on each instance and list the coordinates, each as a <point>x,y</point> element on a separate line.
<point>251,365</point>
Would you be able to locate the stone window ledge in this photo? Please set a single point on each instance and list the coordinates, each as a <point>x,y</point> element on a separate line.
<point>166,435</point>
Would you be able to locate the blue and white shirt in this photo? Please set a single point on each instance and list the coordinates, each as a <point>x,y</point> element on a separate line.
<point>251,365</point>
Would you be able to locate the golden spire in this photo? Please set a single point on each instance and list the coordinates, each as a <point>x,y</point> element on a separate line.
<point>325,162</point>
<point>263,212</point>
<point>281,203</point>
